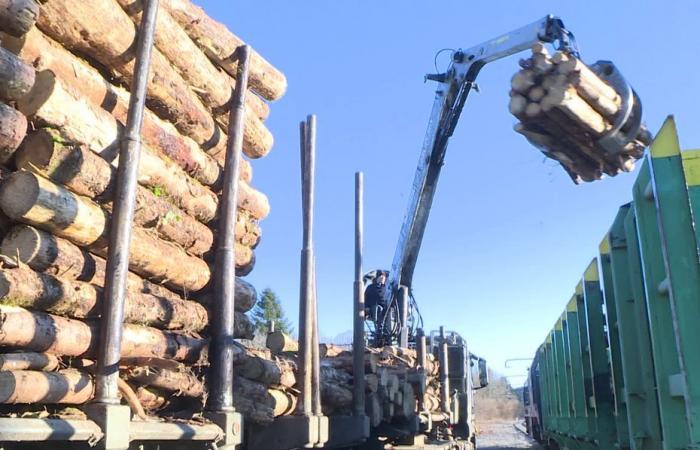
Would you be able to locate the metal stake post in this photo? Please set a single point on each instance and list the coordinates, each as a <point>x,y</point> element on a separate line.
<point>221,394</point>
<point>444,372</point>
<point>403,314</point>
<point>106,390</point>
<point>358,338</point>
<point>306,308</point>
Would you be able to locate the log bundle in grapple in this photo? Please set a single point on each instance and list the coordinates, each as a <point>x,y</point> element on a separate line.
<point>65,71</point>
<point>567,108</point>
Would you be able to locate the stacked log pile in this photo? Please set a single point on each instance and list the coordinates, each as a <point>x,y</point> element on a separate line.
<point>65,70</point>
<point>564,108</point>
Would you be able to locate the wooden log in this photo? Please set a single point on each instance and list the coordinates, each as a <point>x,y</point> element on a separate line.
<point>41,332</point>
<point>46,153</point>
<point>329,350</point>
<point>371,382</point>
<point>83,81</point>
<point>220,45</point>
<point>335,396</point>
<point>268,372</point>
<point>81,122</point>
<point>16,76</point>
<point>13,127</point>
<point>44,292</point>
<point>36,201</point>
<point>517,105</point>
<point>536,94</point>
<point>522,81</point>
<point>101,30</point>
<point>570,103</point>
<point>285,402</point>
<point>180,382</point>
<point>212,85</point>
<point>406,402</point>
<point>18,16</point>
<point>344,362</point>
<point>44,252</point>
<point>590,92</point>
<point>243,326</point>
<point>67,386</point>
<point>150,398</point>
<point>28,361</point>
<point>572,66</point>
<point>279,342</point>
<point>373,409</point>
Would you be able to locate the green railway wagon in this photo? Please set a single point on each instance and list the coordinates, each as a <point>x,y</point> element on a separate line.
<point>620,368</point>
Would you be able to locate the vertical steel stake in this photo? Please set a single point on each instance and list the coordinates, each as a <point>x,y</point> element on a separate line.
<point>306,288</point>
<point>358,325</point>
<point>403,316</point>
<point>106,390</point>
<point>444,372</point>
<point>222,341</point>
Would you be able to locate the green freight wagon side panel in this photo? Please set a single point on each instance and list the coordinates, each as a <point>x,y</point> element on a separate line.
<point>564,423</point>
<point>635,345</point>
<point>613,326</point>
<point>606,435</point>
<point>581,424</point>
<point>679,248</point>
<point>586,360</point>
<point>655,191</point>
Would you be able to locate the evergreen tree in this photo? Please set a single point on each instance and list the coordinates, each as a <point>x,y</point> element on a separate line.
<point>268,308</point>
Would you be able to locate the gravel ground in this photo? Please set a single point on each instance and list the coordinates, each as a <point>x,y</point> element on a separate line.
<point>503,435</point>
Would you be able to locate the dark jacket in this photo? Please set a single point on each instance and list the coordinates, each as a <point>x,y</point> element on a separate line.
<point>374,295</point>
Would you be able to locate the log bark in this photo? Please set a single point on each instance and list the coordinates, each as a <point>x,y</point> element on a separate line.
<point>45,153</point>
<point>268,372</point>
<point>335,396</point>
<point>329,350</point>
<point>28,361</point>
<point>44,292</point>
<point>220,45</point>
<point>212,85</point>
<point>344,362</point>
<point>34,200</point>
<point>41,332</point>
<point>83,81</point>
<point>279,342</point>
<point>18,16</point>
<point>81,122</point>
<point>179,382</point>
<point>101,30</point>
<point>16,76</point>
<point>150,399</point>
<point>373,409</point>
<point>13,128</point>
<point>571,104</point>
<point>32,387</point>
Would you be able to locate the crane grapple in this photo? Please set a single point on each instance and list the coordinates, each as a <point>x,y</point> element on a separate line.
<point>588,118</point>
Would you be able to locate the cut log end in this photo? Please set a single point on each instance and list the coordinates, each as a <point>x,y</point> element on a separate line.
<point>16,206</point>
<point>17,17</point>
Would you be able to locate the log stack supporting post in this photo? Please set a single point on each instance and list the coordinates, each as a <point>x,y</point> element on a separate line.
<point>444,372</point>
<point>222,352</point>
<point>106,391</point>
<point>358,338</point>
<point>403,314</point>
<point>422,356</point>
<point>310,391</point>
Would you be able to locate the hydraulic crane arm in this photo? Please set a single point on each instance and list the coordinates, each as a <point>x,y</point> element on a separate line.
<point>453,89</point>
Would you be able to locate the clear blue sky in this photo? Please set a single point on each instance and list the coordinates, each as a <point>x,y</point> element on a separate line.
<point>509,235</point>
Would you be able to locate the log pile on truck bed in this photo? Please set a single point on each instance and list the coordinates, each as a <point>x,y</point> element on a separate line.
<point>65,70</point>
<point>564,108</point>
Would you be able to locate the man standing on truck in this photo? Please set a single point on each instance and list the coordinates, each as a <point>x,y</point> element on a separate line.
<point>374,294</point>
